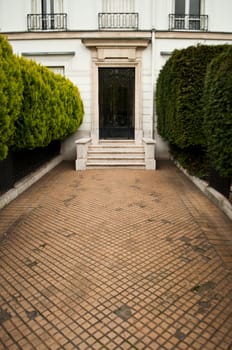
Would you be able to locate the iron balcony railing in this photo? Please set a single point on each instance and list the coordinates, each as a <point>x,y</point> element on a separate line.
<point>188,22</point>
<point>118,21</point>
<point>48,21</point>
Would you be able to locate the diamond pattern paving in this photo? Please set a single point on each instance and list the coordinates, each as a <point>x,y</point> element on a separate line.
<point>115,259</point>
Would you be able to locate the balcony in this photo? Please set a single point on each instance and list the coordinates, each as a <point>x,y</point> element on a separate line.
<point>118,21</point>
<point>48,21</point>
<point>188,22</point>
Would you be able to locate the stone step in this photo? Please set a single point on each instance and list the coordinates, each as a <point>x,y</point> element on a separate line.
<point>119,148</point>
<point>122,160</point>
<point>101,142</point>
<point>116,153</point>
<point>130,165</point>
<point>116,150</point>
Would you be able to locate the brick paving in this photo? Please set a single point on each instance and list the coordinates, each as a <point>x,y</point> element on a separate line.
<point>115,259</point>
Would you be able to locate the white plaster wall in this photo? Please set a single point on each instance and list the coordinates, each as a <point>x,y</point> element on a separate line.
<point>219,12</point>
<point>161,11</point>
<point>145,13</point>
<point>82,14</point>
<point>13,15</point>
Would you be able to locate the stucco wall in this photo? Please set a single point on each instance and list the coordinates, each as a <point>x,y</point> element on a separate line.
<point>219,12</point>
<point>13,15</point>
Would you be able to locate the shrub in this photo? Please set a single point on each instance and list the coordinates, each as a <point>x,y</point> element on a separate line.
<point>218,112</point>
<point>164,106</point>
<point>10,95</point>
<point>179,105</point>
<point>52,108</point>
<point>32,123</point>
<point>179,95</point>
<point>71,107</point>
<point>36,105</point>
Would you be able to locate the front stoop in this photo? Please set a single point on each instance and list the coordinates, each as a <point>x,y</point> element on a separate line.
<point>118,154</point>
<point>115,154</point>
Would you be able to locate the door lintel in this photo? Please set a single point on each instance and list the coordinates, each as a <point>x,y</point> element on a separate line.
<point>105,49</point>
<point>116,42</point>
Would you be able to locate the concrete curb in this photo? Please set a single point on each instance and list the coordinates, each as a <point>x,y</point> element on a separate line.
<point>29,180</point>
<point>217,198</point>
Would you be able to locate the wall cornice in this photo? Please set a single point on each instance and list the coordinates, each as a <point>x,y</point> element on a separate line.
<point>83,35</point>
<point>78,35</point>
<point>119,35</point>
<point>193,35</point>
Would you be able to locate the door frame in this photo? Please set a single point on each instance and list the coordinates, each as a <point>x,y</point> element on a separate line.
<point>115,53</point>
<point>137,103</point>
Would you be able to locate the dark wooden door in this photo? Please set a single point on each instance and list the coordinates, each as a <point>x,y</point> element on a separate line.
<point>116,103</point>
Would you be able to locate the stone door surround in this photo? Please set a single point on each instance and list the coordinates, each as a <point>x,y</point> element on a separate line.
<point>116,51</point>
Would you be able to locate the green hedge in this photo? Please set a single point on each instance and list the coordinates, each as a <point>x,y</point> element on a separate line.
<point>164,106</point>
<point>37,106</point>
<point>180,104</point>
<point>10,95</point>
<point>218,112</point>
<point>52,107</point>
<point>179,95</point>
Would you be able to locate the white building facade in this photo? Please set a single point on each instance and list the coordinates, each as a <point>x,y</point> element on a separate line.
<point>113,51</point>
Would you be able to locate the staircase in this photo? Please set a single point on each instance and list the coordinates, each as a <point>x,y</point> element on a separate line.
<point>116,153</point>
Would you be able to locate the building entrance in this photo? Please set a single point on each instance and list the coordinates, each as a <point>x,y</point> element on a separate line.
<point>116,103</point>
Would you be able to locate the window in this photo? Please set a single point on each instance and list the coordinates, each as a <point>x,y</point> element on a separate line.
<point>57,69</point>
<point>47,14</point>
<point>46,6</point>
<point>187,14</point>
<point>118,14</point>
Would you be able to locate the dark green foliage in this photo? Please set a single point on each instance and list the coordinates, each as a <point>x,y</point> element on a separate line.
<point>218,112</point>
<point>179,95</point>
<point>194,159</point>
<point>10,95</point>
<point>52,107</point>
<point>180,103</point>
<point>36,105</point>
<point>32,125</point>
<point>165,106</point>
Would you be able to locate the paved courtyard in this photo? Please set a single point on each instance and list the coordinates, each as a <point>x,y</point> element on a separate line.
<point>115,259</point>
